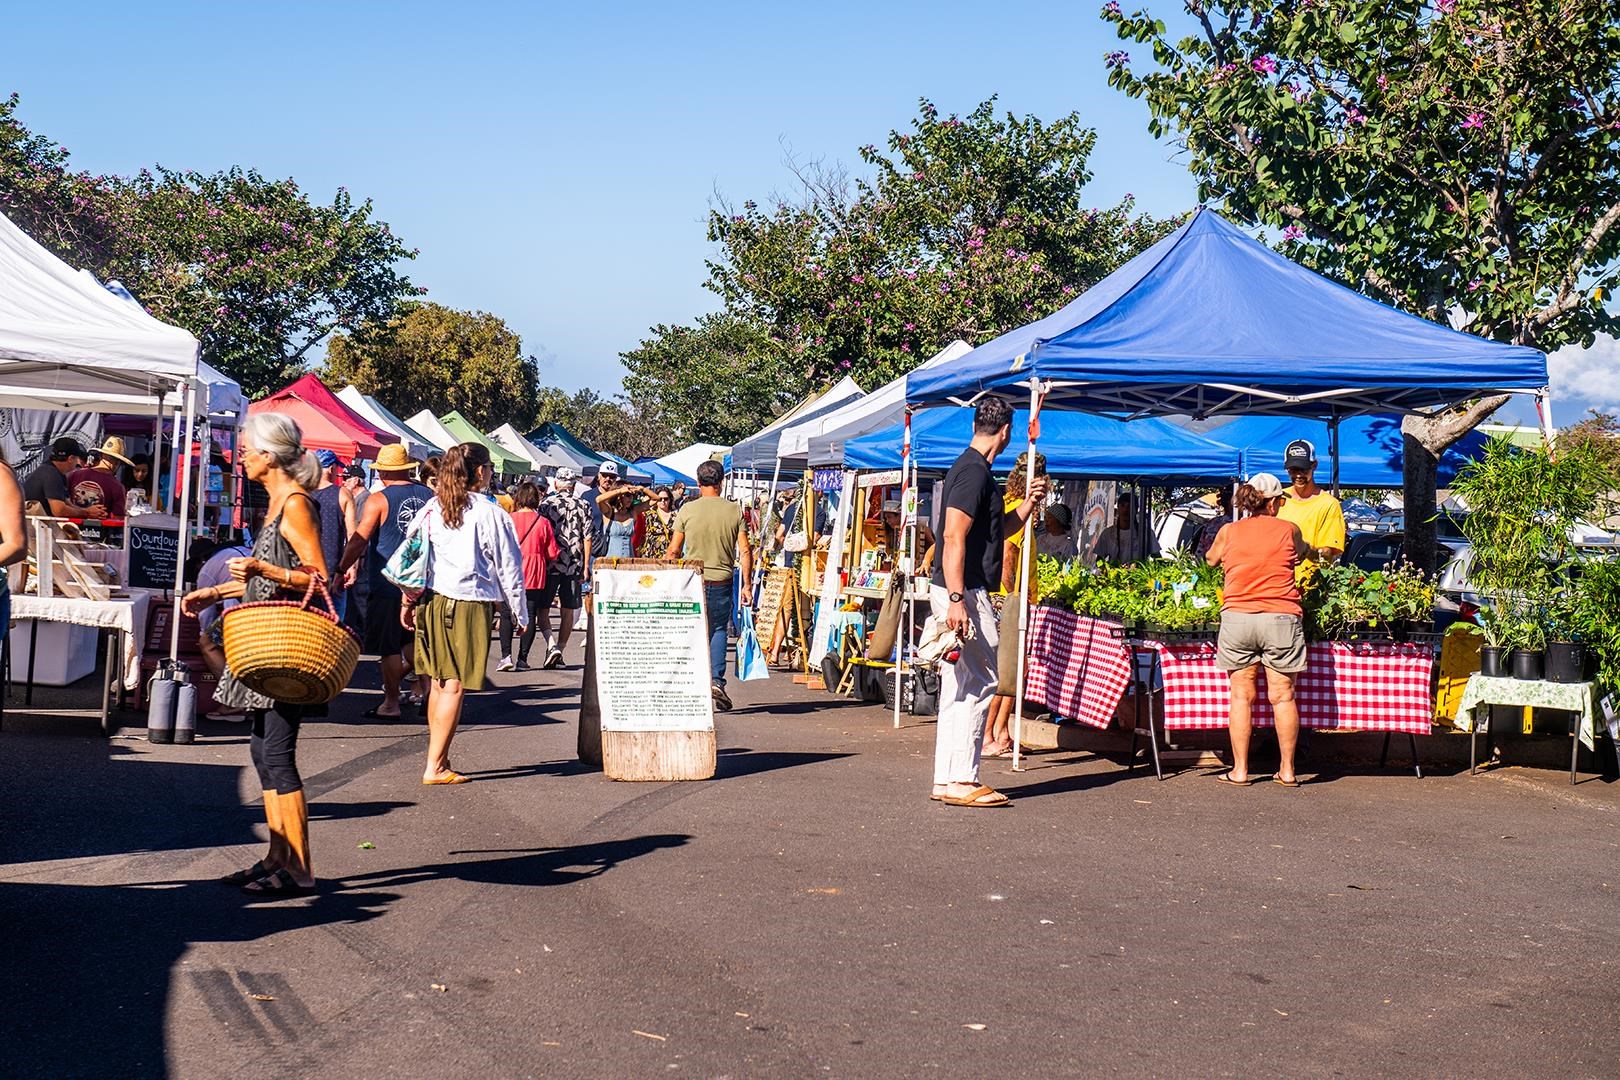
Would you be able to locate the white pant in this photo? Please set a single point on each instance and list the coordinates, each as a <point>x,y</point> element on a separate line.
<point>965,689</point>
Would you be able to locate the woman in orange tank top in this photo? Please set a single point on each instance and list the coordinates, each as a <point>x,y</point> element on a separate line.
<point>1261,621</point>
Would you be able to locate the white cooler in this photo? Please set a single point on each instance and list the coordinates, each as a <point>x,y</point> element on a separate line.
<point>67,653</point>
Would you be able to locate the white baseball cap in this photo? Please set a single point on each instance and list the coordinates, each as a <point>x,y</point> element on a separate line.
<point>608,468</point>
<point>1266,484</point>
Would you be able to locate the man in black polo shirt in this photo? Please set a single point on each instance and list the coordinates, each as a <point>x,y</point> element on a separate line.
<point>973,524</point>
<point>48,484</point>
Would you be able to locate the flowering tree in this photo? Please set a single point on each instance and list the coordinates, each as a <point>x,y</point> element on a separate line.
<point>968,227</point>
<point>718,381</point>
<point>1453,158</point>
<point>440,359</point>
<point>258,271</point>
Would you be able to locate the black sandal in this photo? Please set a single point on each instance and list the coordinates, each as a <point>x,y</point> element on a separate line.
<point>243,877</point>
<point>279,883</point>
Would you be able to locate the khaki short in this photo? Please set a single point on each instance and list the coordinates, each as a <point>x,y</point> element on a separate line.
<point>1250,638</point>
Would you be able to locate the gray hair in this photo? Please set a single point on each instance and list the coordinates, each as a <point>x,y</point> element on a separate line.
<point>279,437</point>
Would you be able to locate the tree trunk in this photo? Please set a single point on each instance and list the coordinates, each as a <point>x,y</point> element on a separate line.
<point>1424,439</point>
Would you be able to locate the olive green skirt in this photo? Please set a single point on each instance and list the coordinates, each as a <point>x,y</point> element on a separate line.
<point>452,639</point>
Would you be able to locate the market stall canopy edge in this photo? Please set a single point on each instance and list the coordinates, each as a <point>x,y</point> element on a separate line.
<point>1209,321</point>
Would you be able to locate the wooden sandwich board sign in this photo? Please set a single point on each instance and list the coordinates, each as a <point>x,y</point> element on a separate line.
<point>646,712</point>
<point>768,615</point>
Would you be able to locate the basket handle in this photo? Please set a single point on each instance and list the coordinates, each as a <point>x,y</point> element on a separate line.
<point>317,580</point>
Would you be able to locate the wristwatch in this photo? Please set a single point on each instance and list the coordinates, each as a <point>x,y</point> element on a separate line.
<point>957,598</point>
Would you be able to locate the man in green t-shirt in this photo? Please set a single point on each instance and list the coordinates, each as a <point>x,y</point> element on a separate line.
<point>710,530</point>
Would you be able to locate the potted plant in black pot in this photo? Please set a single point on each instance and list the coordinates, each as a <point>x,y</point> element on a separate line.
<point>1566,651</point>
<point>1529,648</point>
<point>1493,654</point>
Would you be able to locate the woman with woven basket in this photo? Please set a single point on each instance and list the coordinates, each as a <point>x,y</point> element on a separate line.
<point>473,565</point>
<point>287,548</point>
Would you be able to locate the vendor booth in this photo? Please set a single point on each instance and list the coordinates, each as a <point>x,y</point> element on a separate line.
<point>428,426</point>
<point>326,422</point>
<point>562,449</point>
<point>506,462</point>
<point>510,440</point>
<point>376,413</point>
<point>1207,322</point>
<point>1370,448</point>
<point>66,342</point>
<point>663,474</point>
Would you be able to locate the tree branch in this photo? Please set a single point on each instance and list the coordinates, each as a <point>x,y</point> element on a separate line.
<point>1567,299</point>
<point>1436,431</point>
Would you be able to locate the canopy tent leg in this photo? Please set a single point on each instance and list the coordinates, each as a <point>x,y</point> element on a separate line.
<point>1544,414</point>
<point>1025,558</point>
<point>767,525</point>
<point>182,444</point>
<point>1333,449</point>
<point>155,471</point>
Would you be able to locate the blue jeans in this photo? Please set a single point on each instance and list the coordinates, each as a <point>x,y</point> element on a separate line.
<point>717,602</point>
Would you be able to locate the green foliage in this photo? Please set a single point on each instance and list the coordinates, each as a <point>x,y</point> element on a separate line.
<point>969,227</point>
<point>1460,154</point>
<point>1593,614</point>
<point>258,271</point>
<point>1525,504</point>
<point>440,359</point>
<point>1342,600</point>
<point>1172,594</point>
<point>614,425</point>
<point>718,381</point>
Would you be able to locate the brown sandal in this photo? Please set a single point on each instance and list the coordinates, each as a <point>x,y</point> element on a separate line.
<point>978,797</point>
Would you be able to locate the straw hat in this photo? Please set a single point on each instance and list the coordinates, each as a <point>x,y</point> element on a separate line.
<point>114,448</point>
<point>394,458</point>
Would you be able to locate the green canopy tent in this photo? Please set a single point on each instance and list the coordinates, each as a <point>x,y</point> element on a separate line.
<point>506,462</point>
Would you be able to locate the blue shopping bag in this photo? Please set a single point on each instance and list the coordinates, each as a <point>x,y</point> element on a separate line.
<point>750,657</point>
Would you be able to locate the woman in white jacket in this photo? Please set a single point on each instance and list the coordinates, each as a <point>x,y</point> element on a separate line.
<point>474,565</point>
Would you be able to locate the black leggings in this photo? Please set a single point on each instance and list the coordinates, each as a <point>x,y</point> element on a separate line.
<point>275,748</point>
<point>535,600</point>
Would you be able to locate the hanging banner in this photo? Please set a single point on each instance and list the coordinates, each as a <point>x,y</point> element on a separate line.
<point>26,435</point>
<point>652,649</point>
<point>827,480</point>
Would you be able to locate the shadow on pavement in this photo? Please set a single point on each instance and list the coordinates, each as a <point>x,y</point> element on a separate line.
<point>526,866</point>
<point>88,970</point>
<point>741,761</point>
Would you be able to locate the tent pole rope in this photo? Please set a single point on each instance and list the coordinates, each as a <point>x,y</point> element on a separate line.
<point>182,445</point>
<point>1026,558</point>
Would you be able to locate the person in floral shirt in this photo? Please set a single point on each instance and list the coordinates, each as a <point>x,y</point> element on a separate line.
<point>657,525</point>
<point>570,521</point>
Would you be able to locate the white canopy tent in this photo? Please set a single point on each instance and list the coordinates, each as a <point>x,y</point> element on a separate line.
<point>427,425</point>
<point>64,340</point>
<point>384,420</point>
<point>763,449</point>
<point>686,460</point>
<point>509,438</point>
<point>819,440</point>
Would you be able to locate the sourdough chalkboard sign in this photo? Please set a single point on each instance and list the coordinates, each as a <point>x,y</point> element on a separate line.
<point>154,552</point>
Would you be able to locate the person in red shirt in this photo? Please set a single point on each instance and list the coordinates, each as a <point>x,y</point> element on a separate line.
<point>99,485</point>
<point>538,543</point>
<point>1262,622</point>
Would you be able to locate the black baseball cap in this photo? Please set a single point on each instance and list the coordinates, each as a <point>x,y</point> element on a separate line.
<point>65,447</point>
<point>1299,455</point>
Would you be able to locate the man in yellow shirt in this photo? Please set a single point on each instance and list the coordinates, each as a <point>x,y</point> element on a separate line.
<point>1318,514</point>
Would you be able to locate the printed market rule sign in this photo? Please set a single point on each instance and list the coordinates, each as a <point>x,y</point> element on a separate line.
<point>650,645</point>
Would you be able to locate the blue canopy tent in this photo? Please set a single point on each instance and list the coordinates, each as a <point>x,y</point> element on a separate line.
<point>635,473</point>
<point>663,474</point>
<point>1075,444</point>
<point>1209,320</point>
<point>1370,447</point>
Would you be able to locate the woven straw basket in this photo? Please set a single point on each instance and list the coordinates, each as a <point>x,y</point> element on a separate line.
<point>290,652</point>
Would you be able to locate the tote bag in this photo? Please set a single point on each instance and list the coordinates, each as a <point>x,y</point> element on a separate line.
<point>750,657</point>
<point>407,568</point>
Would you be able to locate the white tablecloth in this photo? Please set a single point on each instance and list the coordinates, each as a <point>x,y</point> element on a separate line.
<point>125,613</point>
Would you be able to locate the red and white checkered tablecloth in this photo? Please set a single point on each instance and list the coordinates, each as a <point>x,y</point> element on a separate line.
<point>1078,668</point>
<point>1353,685</point>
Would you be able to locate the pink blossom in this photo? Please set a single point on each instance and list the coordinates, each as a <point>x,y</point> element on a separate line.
<point>1445,7</point>
<point>1475,121</point>
<point>857,279</point>
<point>1117,59</point>
<point>1111,8</point>
<point>1473,286</point>
<point>1292,233</point>
<point>1265,65</point>
<point>1355,115</point>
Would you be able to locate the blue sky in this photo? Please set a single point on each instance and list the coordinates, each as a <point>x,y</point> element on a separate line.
<point>554,162</point>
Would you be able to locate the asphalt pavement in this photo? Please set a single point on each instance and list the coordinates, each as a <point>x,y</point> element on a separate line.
<point>809,912</point>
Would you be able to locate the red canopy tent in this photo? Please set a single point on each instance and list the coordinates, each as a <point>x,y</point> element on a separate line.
<point>327,423</point>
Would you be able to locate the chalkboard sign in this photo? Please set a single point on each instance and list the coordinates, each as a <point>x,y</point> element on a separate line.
<point>778,580</point>
<point>154,555</point>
